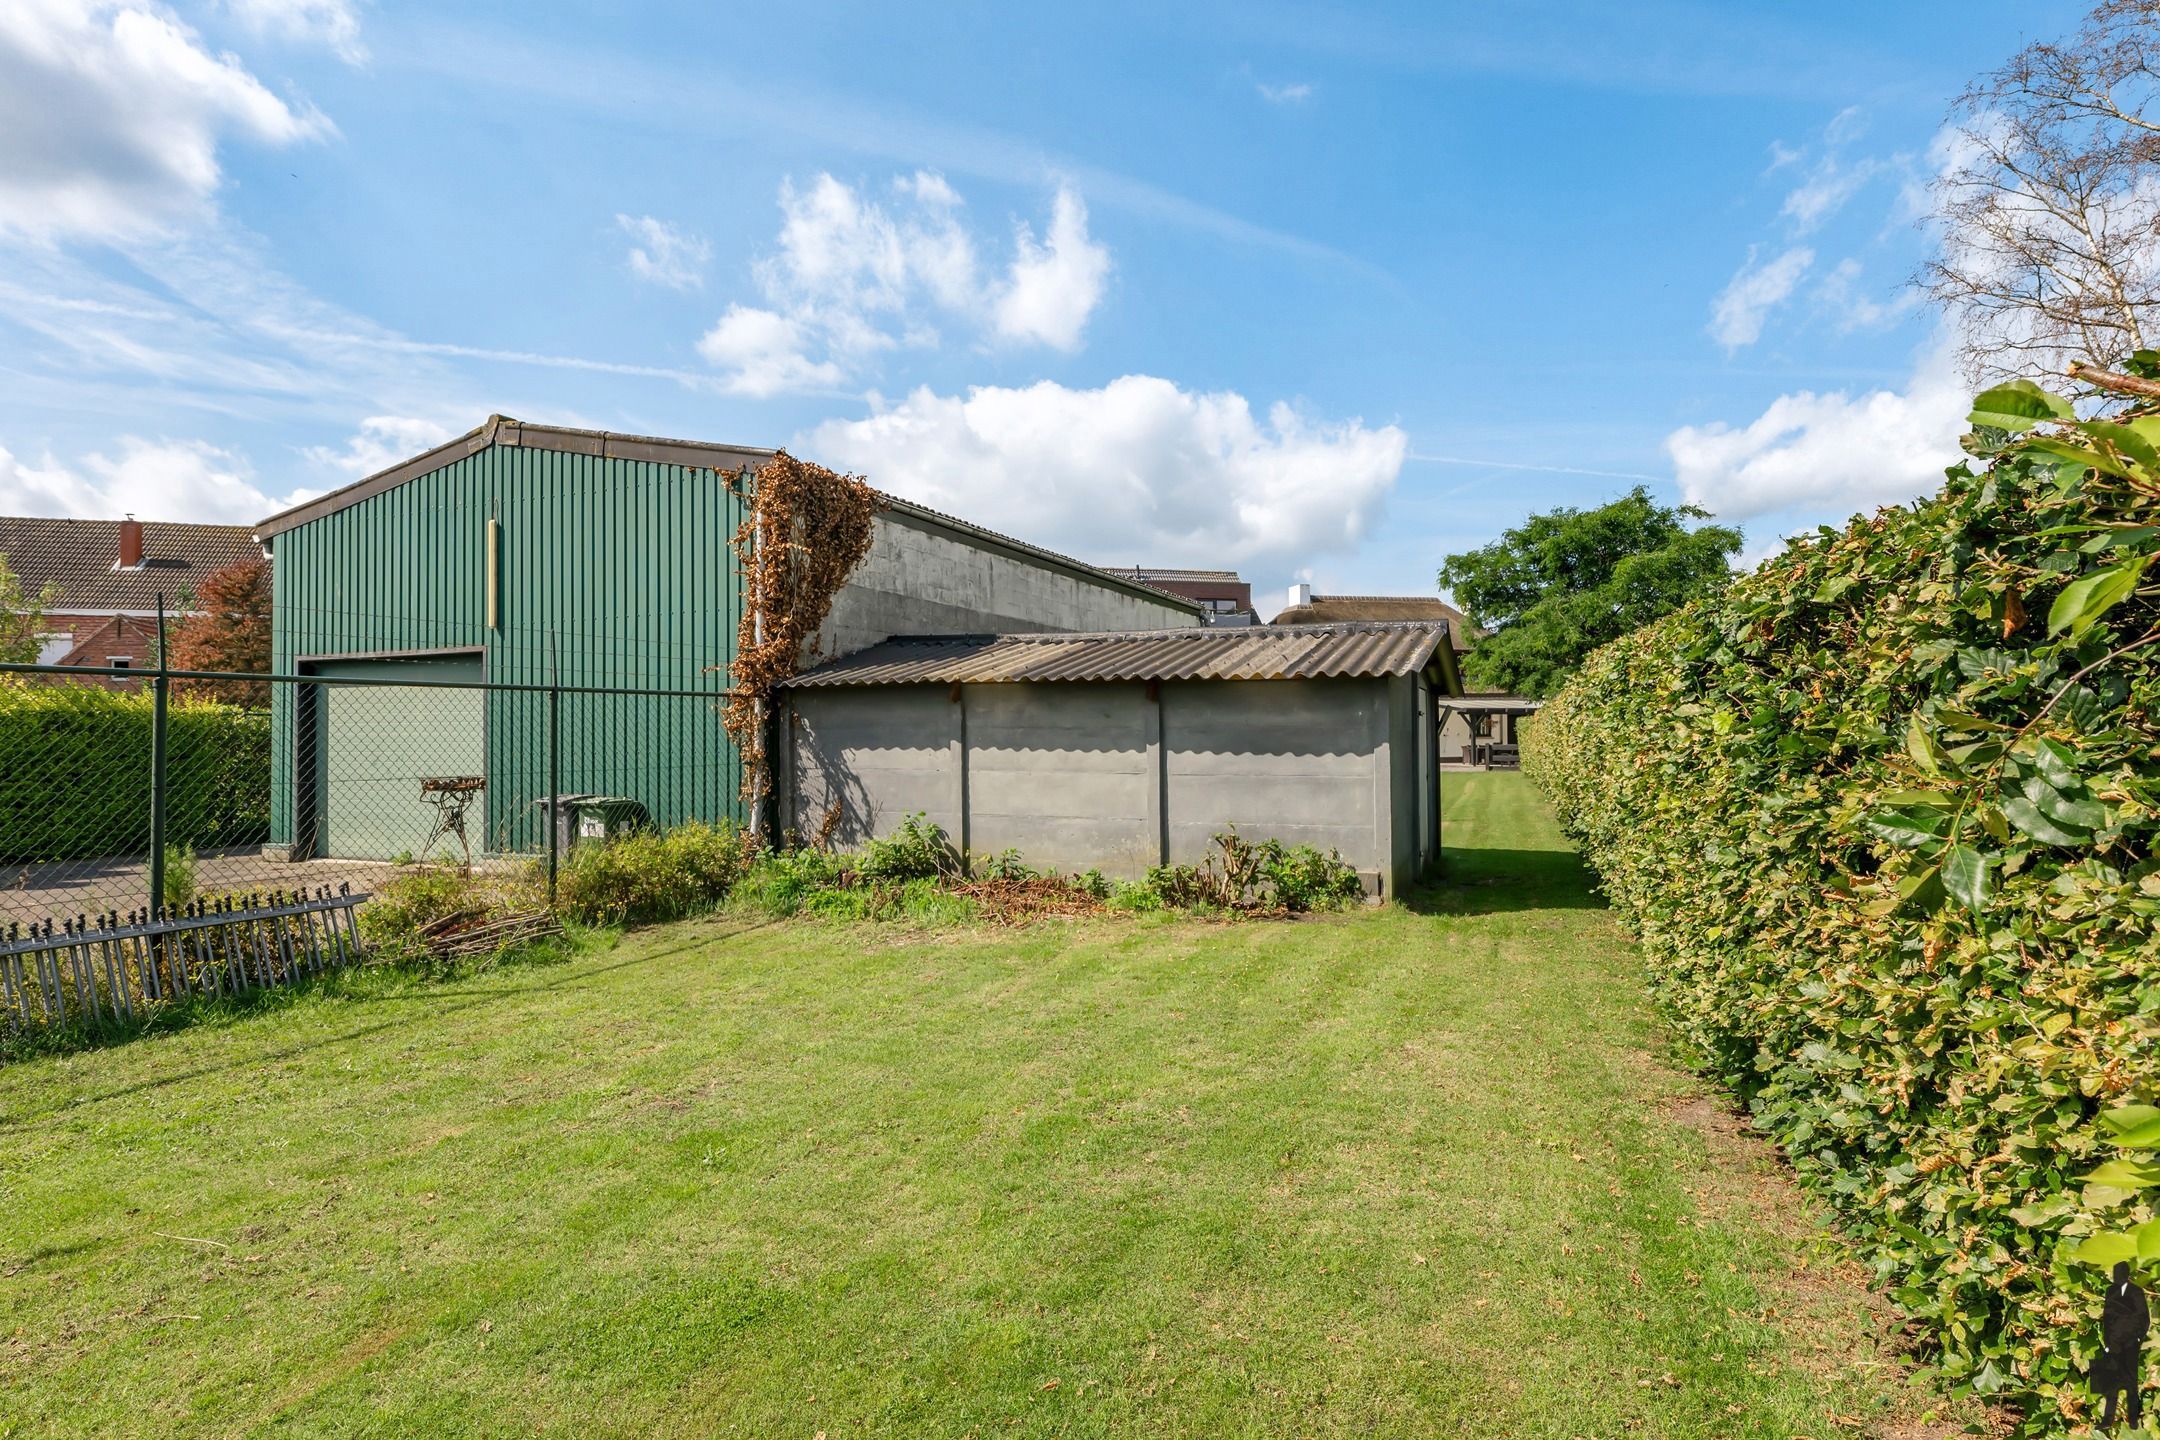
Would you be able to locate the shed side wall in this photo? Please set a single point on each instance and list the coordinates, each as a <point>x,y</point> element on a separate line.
<point>1080,776</point>
<point>1293,760</point>
<point>878,754</point>
<point>1064,774</point>
<point>919,581</point>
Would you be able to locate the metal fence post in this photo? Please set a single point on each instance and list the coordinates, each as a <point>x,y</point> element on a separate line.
<point>554,809</point>
<point>160,691</point>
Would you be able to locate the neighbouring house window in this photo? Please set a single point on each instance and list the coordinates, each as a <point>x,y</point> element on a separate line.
<point>120,662</point>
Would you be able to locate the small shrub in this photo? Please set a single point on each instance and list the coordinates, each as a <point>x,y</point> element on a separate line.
<point>918,850</point>
<point>1304,879</point>
<point>653,875</point>
<point>778,882</point>
<point>1007,865</point>
<point>179,881</point>
<point>392,919</point>
<point>1241,875</point>
<point>1140,896</point>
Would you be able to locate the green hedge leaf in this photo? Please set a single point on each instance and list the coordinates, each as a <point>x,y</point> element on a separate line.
<point>2018,406</point>
<point>1967,876</point>
<point>2102,1251</point>
<point>2087,598</point>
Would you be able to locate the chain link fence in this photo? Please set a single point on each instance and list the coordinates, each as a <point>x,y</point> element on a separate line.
<point>200,789</point>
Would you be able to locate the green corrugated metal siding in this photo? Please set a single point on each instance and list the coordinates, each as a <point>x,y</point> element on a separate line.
<point>625,564</point>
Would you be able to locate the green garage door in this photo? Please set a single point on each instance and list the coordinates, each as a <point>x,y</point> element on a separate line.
<point>376,743</point>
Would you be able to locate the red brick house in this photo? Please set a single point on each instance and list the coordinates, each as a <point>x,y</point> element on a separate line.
<point>108,575</point>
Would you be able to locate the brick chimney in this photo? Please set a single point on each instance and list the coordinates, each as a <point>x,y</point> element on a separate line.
<point>130,543</point>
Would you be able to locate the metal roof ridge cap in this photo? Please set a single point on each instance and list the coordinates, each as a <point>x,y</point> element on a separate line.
<point>542,428</point>
<point>388,478</point>
<point>497,429</point>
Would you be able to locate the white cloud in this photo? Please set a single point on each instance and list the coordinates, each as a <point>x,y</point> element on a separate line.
<point>331,23</point>
<point>1829,185</point>
<point>1851,309</point>
<point>155,480</point>
<point>1845,127</point>
<point>380,442</point>
<point>111,115</point>
<point>1827,455</point>
<point>1736,316</point>
<point>666,254</point>
<point>1136,471</point>
<point>764,353</point>
<point>1294,94</point>
<point>1054,286</point>
<point>855,275</point>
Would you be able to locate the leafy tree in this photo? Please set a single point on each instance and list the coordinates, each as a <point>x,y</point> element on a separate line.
<point>1552,590</point>
<point>230,631</point>
<point>22,617</point>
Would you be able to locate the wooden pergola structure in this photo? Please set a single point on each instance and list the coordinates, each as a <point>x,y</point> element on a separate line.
<point>1492,719</point>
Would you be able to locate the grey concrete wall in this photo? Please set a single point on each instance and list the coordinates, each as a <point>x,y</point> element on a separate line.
<point>1064,774</point>
<point>1399,773</point>
<point>1301,761</point>
<point>1081,776</point>
<point>879,753</point>
<point>1428,732</point>
<point>918,580</point>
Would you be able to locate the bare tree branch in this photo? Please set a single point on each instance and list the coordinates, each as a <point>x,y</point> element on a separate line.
<point>2049,213</point>
<point>2113,380</point>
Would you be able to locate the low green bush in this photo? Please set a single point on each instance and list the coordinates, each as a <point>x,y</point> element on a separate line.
<point>1239,874</point>
<point>779,882</point>
<point>650,875</point>
<point>1006,865</point>
<point>916,873</point>
<point>406,903</point>
<point>75,773</point>
<point>918,850</point>
<point>1885,818</point>
<point>402,905</point>
<point>178,886</point>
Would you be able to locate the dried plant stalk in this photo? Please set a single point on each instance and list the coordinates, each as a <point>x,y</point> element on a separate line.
<point>808,530</point>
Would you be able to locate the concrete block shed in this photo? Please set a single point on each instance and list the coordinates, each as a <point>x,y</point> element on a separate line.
<point>1120,751</point>
<point>525,554</point>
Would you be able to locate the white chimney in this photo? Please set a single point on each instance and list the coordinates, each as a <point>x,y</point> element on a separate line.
<point>1301,594</point>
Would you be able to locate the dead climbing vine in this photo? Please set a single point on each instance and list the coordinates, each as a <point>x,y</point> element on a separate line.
<point>806,533</point>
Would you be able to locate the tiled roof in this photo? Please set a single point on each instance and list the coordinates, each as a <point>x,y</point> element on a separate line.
<point>1254,652</point>
<point>80,556</point>
<point>1158,572</point>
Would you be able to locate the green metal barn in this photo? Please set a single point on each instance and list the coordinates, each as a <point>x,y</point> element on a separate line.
<point>525,554</point>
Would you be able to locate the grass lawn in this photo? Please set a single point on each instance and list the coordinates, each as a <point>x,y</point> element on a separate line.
<point>1413,1171</point>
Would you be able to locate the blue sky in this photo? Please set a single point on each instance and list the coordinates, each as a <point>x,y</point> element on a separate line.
<point>1319,292</point>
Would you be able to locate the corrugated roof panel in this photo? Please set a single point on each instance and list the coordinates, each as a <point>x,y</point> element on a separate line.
<point>1256,652</point>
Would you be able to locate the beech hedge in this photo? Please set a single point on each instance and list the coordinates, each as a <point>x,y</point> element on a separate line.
<point>1883,816</point>
<point>75,774</point>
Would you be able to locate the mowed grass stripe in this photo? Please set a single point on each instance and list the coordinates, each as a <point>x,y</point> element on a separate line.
<point>1403,1172</point>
